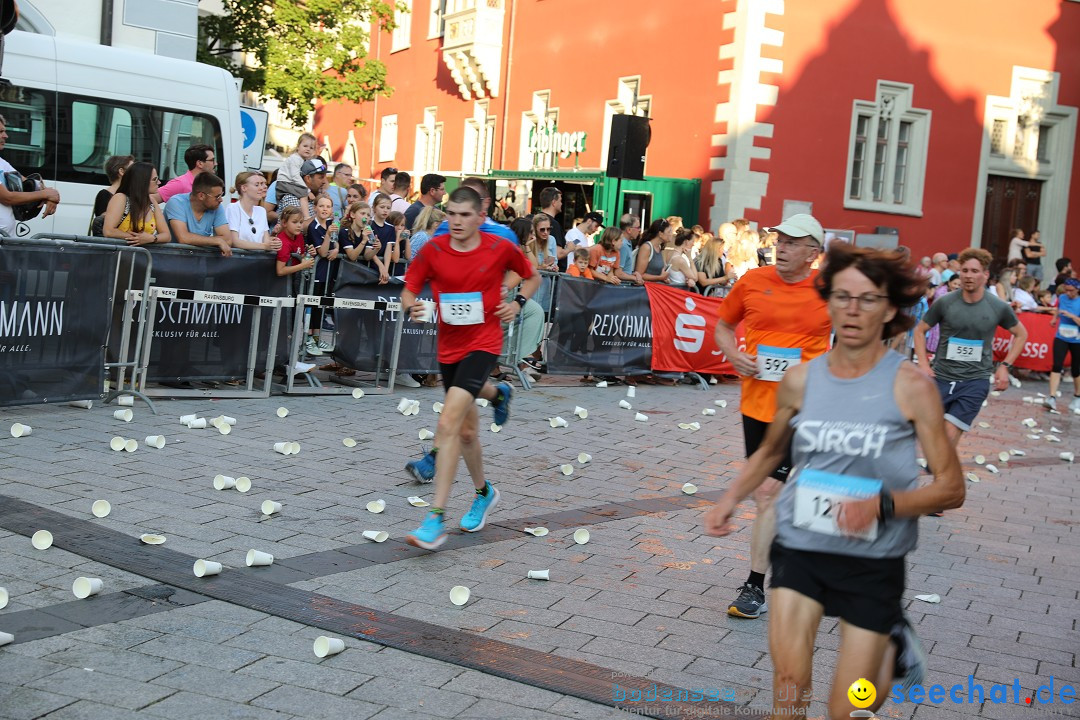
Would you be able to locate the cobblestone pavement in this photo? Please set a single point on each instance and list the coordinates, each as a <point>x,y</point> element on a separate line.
<point>645,597</point>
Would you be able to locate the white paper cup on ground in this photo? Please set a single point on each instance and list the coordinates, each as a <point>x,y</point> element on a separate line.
<point>125,400</point>
<point>689,488</point>
<point>625,405</point>
<point>348,442</point>
<point>404,405</point>
<point>151,539</point>
<point>992,468</point>
<point>631,391</point>
<point>537,531</point>
<point>980,460</point>
<point>567,469</point>
<point>376,506</point>
<point>972,477</point>
<point>326,646</point>
<point>708,411</point>
<point>42,539</point>
<point>185,419</point>
<point>224,482</point>
<point>243,484</point>
<point>101,508</point>
<point>3,598</point>
<point>1067,456</point>
<point>1017,453</point>
<point>581,412</point>
<point>1029,422</point>
<point>496,428</point>
<point>437,407</point>
<point>6,638</point>
<point>720,403</point>
<point>558,422</point>
<point>934,598</point>
<point>206,568</point>
<point>581,536</point>
<point>641,417</point>
<point>84,404</point>
<point>155,441</point>
<point>602,384</point>
<point>19,430</point>
<point>117,443</point>
<point>984,425</point>
<point>459,595</point>
<point>481,402</point>
<point>197,424</point>
<point>584,458</point>
<point>417,501</point>
<point>376,535</point>
<point>1003,456</point>
<point>540,574</point>
<point>358,393</point>
<point>224,428</point>
<point>258,558</point>
<point>270,507</point>
<point>284,448</point>
<point>282,412</point>
<point>426,434</point>
<point>294,448</point>
<point>131,444</point>
<point>84,587</point>
<point>227,420</point>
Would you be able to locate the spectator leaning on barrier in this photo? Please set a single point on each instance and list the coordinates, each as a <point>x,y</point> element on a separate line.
<point>132,215</point>
<point>432,189</point>
<point>630,231</point>
<point>604,256</point>
<point>197,218</point>
<point>9,199</point>
<point>199,159</point>
<point>248,223</point>
<point>650,261</point>
<point>292,243</point>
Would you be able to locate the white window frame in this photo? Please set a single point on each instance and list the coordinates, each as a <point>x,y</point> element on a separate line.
<point>892,104</point>
<point>541,112</point>
<point>429,136</point>
<point>388,137</point>
<point>478,150</point>
<point>437,19</point>
<point>401,37</point>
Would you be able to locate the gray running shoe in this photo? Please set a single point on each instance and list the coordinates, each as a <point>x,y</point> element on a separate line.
<point>1075,404</point>
<point>910,656</point>
<point>1050,401</point>
<point>750,603</point>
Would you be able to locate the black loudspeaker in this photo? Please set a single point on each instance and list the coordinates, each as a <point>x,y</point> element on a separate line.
<point>630,135</point>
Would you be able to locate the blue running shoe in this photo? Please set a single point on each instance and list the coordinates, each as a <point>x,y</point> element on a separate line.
<point>483,504</point>
<point>502,409</point>
<point>422,470</point>
<point>430,535</point>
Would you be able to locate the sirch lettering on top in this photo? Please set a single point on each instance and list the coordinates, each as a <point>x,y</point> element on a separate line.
<point>841,437</point>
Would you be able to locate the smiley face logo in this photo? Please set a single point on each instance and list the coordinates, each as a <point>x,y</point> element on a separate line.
<point>862,693</point>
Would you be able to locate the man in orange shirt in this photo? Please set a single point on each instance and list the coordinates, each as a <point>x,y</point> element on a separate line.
<point>786,323</point>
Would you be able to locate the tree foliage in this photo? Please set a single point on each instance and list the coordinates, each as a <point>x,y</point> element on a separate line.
<point>297,51</point>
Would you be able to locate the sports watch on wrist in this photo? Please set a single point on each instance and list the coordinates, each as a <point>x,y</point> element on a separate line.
<point>521,300</point>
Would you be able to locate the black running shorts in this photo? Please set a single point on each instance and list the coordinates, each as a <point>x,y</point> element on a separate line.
<point>470,373</point>
<point>753,435</point>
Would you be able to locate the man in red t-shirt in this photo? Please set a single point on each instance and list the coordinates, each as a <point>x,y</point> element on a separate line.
<point>465,269</point>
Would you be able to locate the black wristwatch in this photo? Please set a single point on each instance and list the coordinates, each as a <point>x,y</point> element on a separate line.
<point>887,508</point>
<point>521,300</point>
<point>1007,366</point>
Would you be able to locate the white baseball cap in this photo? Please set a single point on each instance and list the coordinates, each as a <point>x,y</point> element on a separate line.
<point>801,225</point>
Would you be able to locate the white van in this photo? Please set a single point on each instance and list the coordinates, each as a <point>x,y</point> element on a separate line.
<point>70,105</point>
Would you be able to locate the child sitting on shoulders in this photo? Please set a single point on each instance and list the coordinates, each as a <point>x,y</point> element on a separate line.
<point>289,181</point>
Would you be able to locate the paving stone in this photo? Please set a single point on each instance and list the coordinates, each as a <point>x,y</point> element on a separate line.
<point>24,703</point>
<point>409,696</point>
<point>87,710</point>
<point>299,701</point>
<point>306,675</point>
<point>237,687</point>
<point>188,650</point>
<point>123,663</point>
<point>102,687</point>
<point>194,705</point>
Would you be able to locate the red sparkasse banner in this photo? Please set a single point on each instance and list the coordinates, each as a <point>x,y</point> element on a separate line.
<point>684,332</point>
<point>1037,354</point>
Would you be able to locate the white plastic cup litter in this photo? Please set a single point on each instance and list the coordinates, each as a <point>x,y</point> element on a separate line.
<point>581,536</point>
<point>283,447</point>
<point>117,443</point>
<point>567,469</point>
<point>325,646</point>
<point>584,458</point>
<point>403,405</point>
<point>185,419</point>
<point>417,501</point>
<point>720,403</point>
<point>540,574</point>
<point>84,587</point>
<point>581,412</point>
<point>481,402</point>
<point>224,482</point>
<point>625,405</point>
<point>155,441</point>
<point>437,407</point>
<point>6,638</point>
<point>349,442</point>
<point>558,422</point>
<point>294,448</point>
<point>708,411</point>
<point>42,540</point>
<point>224,428</point>
<point>101,508</point>
<point>537,531</point>
<point>1067,456</point>
<point>631,391</point>
<point>227,420</point>
<point>1003,456</point>
<point>376,506</point>
<point>3,598</point>
<point>602,384</point>
<point>131,445</point>
<point>206,568</point>
<point>84,404</point>
<point>270,507</point>
<point>19,430</point>
<point>243,484</point>
<point>459,595</point>
<point>641,417</point>
<point>282,412</point>
<point>258,558</point>
<point>496,428</point>
<point>376,535</point>
<point>980,460</point>
<point>426,434</point>
<point>151,539</point>
<point>689,488</point>
<point>197,424</point>
<point>125,400</point>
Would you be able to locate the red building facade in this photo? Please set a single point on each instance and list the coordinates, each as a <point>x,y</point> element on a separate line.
<point>949,123</point>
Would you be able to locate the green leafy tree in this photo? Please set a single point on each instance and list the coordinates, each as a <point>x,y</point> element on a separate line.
<point>298,51</point>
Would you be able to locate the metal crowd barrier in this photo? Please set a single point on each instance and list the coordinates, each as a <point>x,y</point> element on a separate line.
<point>128,359</point>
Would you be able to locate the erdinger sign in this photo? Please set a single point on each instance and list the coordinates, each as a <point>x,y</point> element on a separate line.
<point>545,138</point>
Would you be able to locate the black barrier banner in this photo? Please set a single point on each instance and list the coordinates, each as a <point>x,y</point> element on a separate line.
<point>54,320</point>
<point>599,329</point>
<point>365,337</point>
<point>209,341</point>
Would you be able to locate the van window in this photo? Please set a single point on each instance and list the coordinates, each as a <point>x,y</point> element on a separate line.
<point>91,130</point>
<point>29,114</point>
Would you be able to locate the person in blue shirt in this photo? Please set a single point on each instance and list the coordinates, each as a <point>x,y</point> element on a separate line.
<point>1067,342</point>
<point>197,218</point>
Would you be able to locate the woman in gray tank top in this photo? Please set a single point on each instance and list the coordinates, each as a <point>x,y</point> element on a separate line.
<point>848,516</point>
